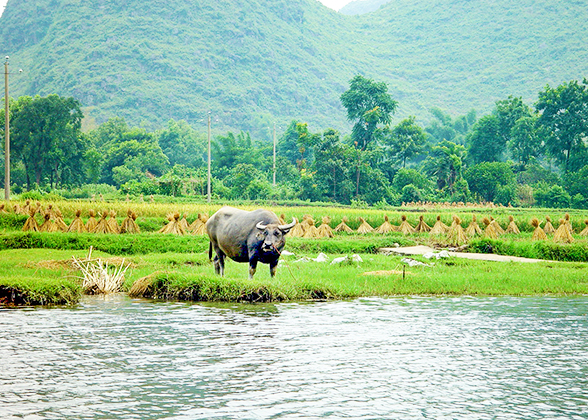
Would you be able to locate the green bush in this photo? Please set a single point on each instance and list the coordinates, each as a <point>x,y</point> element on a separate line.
<point>143,243</point>
<point>543,250</point>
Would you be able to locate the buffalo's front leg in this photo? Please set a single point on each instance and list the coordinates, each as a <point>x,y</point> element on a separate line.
<point>273,268</point>
<point>252,268</point>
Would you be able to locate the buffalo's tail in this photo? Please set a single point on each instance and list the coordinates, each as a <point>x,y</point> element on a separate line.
<point>209,251</point>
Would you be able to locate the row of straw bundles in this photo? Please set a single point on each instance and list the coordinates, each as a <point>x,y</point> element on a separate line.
<point>53,222</point>
<point>180,226</point>
<point>455,234</point>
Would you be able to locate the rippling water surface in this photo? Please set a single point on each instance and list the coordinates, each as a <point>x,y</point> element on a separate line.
<point>401,358</point>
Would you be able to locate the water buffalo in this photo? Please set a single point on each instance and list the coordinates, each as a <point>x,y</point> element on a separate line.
<point>246,236</point>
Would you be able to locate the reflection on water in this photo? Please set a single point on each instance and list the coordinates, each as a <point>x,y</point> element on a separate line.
<point>401,358</point>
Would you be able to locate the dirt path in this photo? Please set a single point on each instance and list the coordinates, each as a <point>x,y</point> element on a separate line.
<point>422,249</point>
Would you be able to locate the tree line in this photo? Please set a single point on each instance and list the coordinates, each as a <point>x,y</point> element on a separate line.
<point>518,154</point>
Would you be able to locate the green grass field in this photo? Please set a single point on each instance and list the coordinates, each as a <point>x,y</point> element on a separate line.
<point>36,267</point>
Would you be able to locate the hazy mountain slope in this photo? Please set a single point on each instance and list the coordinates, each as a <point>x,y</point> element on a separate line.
<point>460,52</point>
<point>359,7</point>
<point>253,61</point>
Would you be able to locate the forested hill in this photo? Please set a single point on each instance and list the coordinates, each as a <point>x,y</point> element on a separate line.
<point>252,61</point>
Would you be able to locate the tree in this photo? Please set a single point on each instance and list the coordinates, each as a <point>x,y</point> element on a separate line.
<point>46,136</point>
<point>182,144</point>
<point>331,165</point>
<point>487,178</point>
<point>230,150</point>
<point>368,105</point>
<point>406,140</point>
<point>413,177</point>
<point>525,143</point>
<point>485,143</point>
<point>443,127</point>
<point>564,116</point>
<point>508,112</point>
<point>137,151</point>
<point>445,164</point>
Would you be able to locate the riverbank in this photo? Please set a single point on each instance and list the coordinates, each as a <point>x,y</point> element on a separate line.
<point>47,277</point>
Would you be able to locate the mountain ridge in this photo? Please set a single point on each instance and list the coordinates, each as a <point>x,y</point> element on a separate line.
<point>253,62</point>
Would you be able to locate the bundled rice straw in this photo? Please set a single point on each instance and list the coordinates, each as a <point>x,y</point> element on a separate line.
<point>386,227</point>
<point>26,208</point>
<point>184,223</point>
<point>325,230</point>
<point>364,227</point>
<point>77,225</point>
<point>195,224</point>
<point>439,228</point>
<point>311,231</point>
<point>112,223</point>
<point>568,223</point>
<point>490,231</point>
<point>548,229</point>
<point>140,286</point>
<point>61,226</point>
<point>201,229</point>
<point>405,227</point>
<point>512,226</point>
<point>91,223</point>
<point>51,211</point>
<point>585,231</point>
<point>102,226</point>
<point>173,225</point>
<point>473,228</point>
<point>562,234</point>
<point>456,234</point>
<point>497,227</point>
<point>282,219</point>
<point>422,226</point>
<point>18,209</point>
<point>48,225</point>
<point>99,277</point>
<point>297,231</point>
<point>306,219</point>
<point>2,210</point>
<point>31,224</point>
<point>341,227</point>
<point>538,233</point>
<point>129,225</point>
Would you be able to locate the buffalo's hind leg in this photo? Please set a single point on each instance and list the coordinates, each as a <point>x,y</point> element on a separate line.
<point>219,261</point>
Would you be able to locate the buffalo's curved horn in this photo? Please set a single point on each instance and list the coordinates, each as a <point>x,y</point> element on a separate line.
<point>260,226</point>
<point>288,226</point>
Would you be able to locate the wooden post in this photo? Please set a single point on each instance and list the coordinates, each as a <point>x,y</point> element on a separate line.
<point>6,135</point>
<point>274,184</point>
<point>209,176</point>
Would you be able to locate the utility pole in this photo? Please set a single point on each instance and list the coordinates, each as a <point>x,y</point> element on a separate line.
<point>6,135</point>
<point>209,189</point>
<point>274,154</point>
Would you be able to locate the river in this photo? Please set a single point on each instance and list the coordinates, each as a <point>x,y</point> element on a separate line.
<point>400,358</point>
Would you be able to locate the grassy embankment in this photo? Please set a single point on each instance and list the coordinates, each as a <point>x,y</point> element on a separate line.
<point>36,267</point>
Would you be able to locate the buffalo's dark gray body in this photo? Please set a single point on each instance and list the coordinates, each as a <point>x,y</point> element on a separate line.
<point>246,236</point>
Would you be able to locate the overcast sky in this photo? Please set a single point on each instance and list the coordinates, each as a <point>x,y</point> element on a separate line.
<point>333,4</point>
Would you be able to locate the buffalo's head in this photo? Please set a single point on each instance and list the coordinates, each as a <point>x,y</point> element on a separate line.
<point>272,235</point>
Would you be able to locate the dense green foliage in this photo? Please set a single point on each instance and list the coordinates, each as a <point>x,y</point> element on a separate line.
<point>377,164</point>
<point>517,154</point>
<point>254,62</point>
